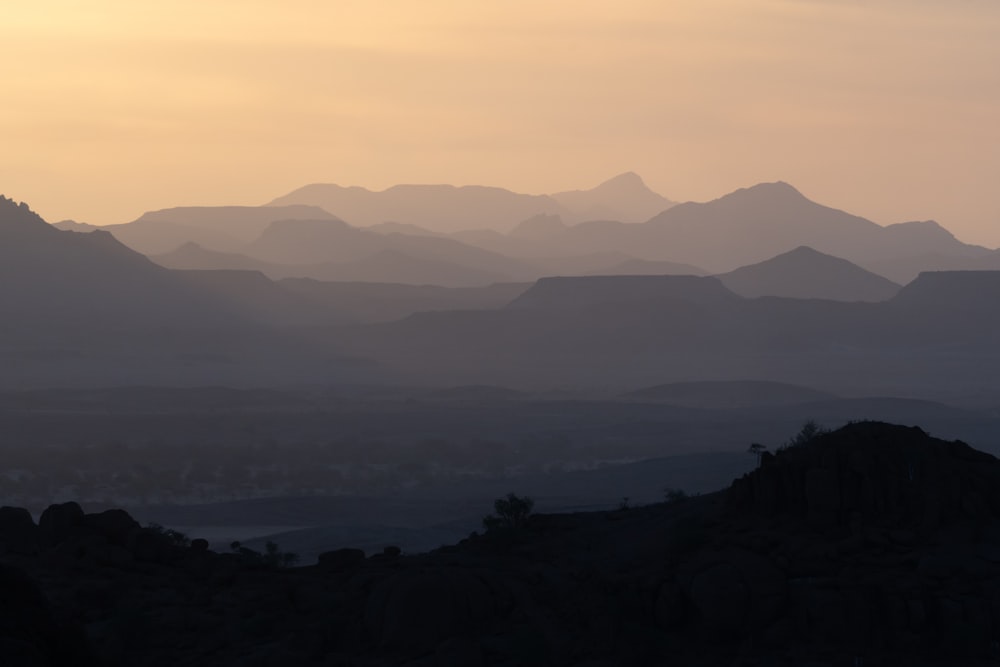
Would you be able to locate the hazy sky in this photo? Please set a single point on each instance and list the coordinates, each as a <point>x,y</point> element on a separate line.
<point>889,109</point>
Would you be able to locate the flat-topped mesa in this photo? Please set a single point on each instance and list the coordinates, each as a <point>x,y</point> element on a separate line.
<point>873,474</point>
<point>560,293</point>
<point>951,289</point>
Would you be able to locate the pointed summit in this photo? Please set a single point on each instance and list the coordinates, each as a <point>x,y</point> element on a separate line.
<point>805,273</point>
<point>776,193</point>
<point>625,198</point>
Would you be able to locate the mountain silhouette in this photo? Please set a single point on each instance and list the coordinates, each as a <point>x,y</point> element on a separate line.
<point>583,292</point>
<point>538,227</point>
<point>905,269</point>
<point>762,221</point>
<point>82,309</point>
<point>333,250</point>
<point>745,227</point>
<point>389,265</point>
<point>646,267</point>
<point>628,331</point>
<point>384,302</point>
<point>313,241</point>
<point>753,224</point>
<point>52,279</point>
<point>729,394</point>
<point>74,226</point>
<point>447,208</point>
<point>441,208</point>
<point>192,256</point>
<point>401,228</point>
<point>529,236</point>
<point>222,228</point>
<point>953,292</point>
<point>625,198</point>
<point>378,263</point>
<point>804,273</point>
<point>257,298</point>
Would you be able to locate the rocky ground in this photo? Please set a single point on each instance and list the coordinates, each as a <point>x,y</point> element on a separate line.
<point>873,545</point>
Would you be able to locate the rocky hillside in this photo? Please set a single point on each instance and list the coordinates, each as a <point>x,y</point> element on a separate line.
<point>872,545</point>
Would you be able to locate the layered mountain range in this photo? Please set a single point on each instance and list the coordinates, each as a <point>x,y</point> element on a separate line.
<point>473,236</point>
<point>266,291</point>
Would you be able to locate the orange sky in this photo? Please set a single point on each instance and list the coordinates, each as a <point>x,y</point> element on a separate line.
<point>114,107</point>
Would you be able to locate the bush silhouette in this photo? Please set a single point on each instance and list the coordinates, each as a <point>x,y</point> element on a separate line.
<point>810,430</point>
<point>175,537</point>
<point>510,513</point>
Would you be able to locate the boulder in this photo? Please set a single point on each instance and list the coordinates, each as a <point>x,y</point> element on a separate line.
<point>116,526</point>
<point>17,528</point>
<point>59,523</point>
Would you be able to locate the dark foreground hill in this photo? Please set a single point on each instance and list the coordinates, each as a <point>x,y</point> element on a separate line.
<point>872,545</point>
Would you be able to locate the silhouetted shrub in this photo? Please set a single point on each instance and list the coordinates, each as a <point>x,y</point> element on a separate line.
<point>510,513</point>
<point>810,431</point>
<point>175,537</point>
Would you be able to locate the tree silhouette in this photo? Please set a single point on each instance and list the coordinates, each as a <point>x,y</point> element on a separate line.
<point>510,513</point>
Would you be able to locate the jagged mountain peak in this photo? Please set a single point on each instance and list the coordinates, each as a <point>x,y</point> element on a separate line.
<point>18,215</point>
<point>625,197</point>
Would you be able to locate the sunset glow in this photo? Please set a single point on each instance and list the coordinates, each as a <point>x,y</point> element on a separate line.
<point>112,108</point>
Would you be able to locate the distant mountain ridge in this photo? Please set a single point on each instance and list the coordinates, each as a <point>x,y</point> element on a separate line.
<point>625,198</point>
<point>583,292</point>
<point>447,208</point>
<point>529,236</point>
<point>804,273</point>
<point>82,309</point>
<point>729,394</point>
<point>950,290</point>
<point>744,227</point>
<point>764,220</point>
<point>441,208</point>
<point>626,331</point>
<point>220,228</point>
<point>50,277</point>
